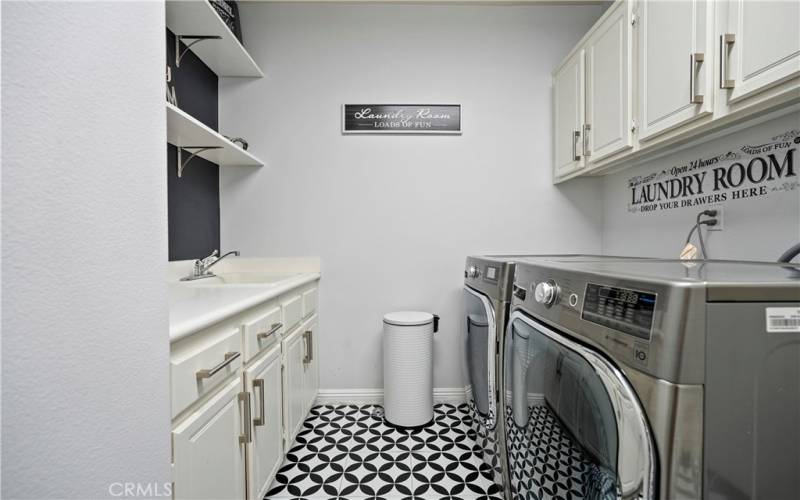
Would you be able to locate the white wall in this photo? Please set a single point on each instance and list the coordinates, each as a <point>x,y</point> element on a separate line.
<point>759,228</point>
<point>393,217</point>
<point>84,249</point>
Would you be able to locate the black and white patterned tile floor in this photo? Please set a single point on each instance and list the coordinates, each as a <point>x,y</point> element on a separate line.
<point>347,451</point>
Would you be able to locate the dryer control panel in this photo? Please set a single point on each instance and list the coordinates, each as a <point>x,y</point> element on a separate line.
<point>629,311</point>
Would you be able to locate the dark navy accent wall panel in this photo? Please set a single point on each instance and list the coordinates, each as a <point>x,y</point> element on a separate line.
<point>194,198</point>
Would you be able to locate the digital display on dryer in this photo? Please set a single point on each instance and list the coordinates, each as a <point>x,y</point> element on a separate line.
<point>625,310</point>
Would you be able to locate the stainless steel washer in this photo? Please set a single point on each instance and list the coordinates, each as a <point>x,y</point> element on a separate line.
<point>664,379</point>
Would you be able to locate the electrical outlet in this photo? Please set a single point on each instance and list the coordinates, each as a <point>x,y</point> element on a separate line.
<point>720,225</point>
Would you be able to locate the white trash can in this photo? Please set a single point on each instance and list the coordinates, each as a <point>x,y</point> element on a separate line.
<point>408,368</point>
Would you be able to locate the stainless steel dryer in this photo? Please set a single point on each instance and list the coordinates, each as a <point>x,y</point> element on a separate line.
<point>653,379</point>
<point>487,295</point>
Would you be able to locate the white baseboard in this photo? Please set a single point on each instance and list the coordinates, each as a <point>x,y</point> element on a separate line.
<point>451,395</point>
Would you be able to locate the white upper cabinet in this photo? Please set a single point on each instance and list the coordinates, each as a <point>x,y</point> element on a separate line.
<point>675,64</point>
<point>607,127</point>
<point>568,92</point>
<point>761,47</point>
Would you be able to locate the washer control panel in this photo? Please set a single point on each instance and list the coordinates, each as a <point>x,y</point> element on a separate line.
<point>629,311</point>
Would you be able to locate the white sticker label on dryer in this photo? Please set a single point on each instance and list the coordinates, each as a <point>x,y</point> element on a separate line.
<point>783,319</point>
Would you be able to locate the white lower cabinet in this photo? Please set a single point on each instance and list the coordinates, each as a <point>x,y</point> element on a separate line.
<point>311,374</point>
<point>265,451</point>
<point>232,422</point>
<point>208,447</point>
<point>301,375</point>
<point>294,352</point>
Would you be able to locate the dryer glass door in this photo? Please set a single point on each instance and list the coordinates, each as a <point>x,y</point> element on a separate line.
<point>478,350</point>
<point>574,427</point>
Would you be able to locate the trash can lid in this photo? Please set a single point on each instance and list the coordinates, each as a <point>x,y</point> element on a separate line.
<point>408,318</point>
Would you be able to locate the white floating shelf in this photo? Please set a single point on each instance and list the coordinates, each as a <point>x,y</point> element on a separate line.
<point>226,56</point>
<point>187,132</point>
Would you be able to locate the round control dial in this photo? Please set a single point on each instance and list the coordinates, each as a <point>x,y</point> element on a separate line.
<point>472,272</point>
<point>546,293</point>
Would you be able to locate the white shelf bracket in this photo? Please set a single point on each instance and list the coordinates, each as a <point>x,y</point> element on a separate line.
<point>194,39</point>
<point>197,150</point>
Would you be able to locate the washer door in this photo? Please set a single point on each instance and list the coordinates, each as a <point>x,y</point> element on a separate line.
<point>574,426</point>
<point>478,348</point>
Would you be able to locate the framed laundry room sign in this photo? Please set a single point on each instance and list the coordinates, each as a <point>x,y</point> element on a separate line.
<point>401,119</point>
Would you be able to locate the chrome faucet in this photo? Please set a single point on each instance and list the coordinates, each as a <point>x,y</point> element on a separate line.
<point>202,266</point>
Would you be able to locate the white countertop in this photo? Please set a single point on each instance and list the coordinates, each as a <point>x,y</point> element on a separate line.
<point>196,305</point>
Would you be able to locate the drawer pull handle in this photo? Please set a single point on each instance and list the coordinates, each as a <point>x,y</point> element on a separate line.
<point>247,437</point>
<point>229,358</point>
<point>272,331</point>
<point>259,383</point>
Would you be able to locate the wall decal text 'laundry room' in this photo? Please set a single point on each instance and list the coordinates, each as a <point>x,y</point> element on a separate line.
<point>752,171</point>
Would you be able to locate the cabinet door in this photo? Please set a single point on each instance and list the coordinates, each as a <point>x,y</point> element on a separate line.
<point>766,46</point>
<point>675,64</point>
<point>208,455</point>
<point>311,380</point>
<point>607,128</point>
<point>568,94</point>
<point>265,453</point>
<point>294,378</point>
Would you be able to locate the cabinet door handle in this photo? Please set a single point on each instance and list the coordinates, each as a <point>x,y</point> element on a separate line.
<point>695,60</point>
<point>229,358</point>
<point>310,345</point>
<point>307,338</point>
<point>586,129</point>
<point>576,135</point>
<point>272,331</point>
<point>725,41</point>
<point>247,437</point>
<point>262,416</point>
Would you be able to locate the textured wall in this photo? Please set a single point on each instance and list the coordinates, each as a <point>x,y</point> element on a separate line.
<point>85,366</point>
<point>757,228</point>
<point>393,217</point>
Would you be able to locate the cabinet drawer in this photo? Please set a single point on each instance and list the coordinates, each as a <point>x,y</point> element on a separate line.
<point>310,301</point>
<point>200,363</point>
<point>262,331</point>
<point>292,311</point>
